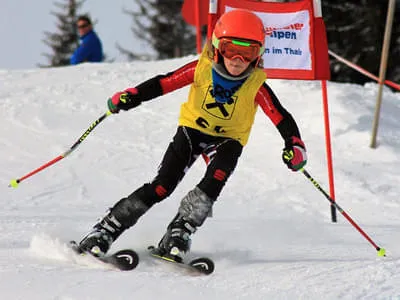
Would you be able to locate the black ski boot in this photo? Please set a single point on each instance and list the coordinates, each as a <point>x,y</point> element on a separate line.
<point>176,241</point>
<point>193,210</point>
<point>99,239</point>
<point>121,216</point>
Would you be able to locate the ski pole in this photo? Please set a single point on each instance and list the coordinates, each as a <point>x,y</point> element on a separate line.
<point>14,182</point>
<point>381,251</point>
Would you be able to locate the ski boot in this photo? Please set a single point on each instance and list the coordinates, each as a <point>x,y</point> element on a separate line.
<point>193,210</point>
<point>121,216</point>
<point>176,241</point>
<point>98,241</point>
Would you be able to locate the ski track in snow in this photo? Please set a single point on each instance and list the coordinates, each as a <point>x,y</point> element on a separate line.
<point>271,236</point>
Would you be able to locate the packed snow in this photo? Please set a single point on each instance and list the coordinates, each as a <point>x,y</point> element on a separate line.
<point>271,236</point>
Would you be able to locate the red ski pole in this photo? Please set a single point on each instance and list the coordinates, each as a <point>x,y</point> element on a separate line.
<point>14,182</point>
<point>381,251</point>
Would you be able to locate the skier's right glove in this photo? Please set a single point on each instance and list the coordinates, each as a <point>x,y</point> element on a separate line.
<point>124,100</point>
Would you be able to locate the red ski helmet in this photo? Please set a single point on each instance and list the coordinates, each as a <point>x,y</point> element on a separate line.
<point>241,24</point>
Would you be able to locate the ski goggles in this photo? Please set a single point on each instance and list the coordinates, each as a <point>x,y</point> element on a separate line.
<point>230,48</point>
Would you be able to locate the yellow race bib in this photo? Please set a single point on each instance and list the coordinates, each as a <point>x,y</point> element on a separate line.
<point>232,119</point>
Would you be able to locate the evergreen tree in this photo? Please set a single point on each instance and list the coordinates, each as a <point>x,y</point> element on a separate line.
<point>63,43</point>
<point>355,31</point>
<point>160,24</point>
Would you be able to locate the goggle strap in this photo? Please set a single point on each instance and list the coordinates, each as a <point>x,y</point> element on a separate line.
<point>215,41</point>
<point>262,49</point>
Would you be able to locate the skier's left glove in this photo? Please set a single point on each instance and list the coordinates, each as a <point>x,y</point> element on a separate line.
<point>294,154</point>
<point>124,100</point>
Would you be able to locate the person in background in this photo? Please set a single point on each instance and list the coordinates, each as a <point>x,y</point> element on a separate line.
<point>90,48</point>
<point>227,85</point>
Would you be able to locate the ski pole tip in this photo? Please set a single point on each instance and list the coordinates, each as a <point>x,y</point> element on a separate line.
<point>13,183</point>
<point>381,252</point>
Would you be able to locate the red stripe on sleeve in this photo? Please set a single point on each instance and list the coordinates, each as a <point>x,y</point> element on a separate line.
<point>264,99</point>
<point>178,78</point>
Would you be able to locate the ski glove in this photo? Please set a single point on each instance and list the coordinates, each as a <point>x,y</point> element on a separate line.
<point>294,154</point>
<point>124,100</point>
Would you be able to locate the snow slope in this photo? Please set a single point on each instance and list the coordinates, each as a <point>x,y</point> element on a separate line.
<point>271,236</point>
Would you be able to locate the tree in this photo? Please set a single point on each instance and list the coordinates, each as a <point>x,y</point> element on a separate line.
<point>160,24</point>
<point>66,41</point>
<point>355,31</point>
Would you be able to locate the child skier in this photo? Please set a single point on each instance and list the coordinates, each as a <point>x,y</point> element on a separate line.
<point>227,86</point>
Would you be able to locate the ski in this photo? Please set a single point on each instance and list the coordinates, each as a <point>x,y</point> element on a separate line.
<point>200,265</point>
<point>124,260</point>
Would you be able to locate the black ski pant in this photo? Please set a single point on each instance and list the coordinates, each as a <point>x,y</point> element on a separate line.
<point>188,144</point>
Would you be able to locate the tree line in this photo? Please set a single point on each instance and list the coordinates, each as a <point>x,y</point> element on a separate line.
<point>355,31</point>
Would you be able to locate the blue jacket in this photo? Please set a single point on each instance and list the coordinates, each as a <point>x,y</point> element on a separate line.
<point>89,50</point>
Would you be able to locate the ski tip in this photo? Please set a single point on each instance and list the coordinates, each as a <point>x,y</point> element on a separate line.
<point>203,264</point>
<point>126,259</point>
